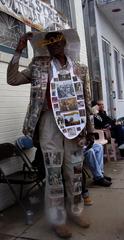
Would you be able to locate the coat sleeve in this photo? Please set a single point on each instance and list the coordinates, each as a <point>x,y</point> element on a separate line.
<point>15,77</point>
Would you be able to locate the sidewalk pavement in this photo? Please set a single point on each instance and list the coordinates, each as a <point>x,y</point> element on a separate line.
<point>106,214</point>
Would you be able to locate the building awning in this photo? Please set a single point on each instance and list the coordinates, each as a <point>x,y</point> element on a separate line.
<point>114,12</point>
<point>34,13</point>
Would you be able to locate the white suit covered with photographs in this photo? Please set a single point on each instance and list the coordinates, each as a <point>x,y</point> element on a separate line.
<point>59,153</point>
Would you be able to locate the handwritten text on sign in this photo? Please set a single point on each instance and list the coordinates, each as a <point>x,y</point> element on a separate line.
<point>33,12</point>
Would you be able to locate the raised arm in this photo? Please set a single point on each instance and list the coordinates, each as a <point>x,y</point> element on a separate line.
<point>14,77</point>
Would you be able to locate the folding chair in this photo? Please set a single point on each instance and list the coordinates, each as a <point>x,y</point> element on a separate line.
<point>28,175</point>
<point>31,170</point>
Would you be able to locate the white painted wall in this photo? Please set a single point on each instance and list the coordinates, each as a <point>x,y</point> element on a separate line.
<point>13,106</point>
<point>13,100</point>
<point>105,29</point>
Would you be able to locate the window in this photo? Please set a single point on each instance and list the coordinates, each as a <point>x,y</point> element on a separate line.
<point>10,32</point>
<point>117,74</point>
<point>63,7</point>
<point>107,69</point>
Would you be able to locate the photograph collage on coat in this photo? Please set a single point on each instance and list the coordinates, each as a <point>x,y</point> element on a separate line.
<point>44,79</point>
<point>68,103</point>
<point>39,73</point>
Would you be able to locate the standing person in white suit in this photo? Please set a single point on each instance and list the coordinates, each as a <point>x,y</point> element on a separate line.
<point>54,144</point>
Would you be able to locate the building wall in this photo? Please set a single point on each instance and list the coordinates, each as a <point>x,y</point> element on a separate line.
<point>13,105</point>
<point>77,22</point>
<point>105,29</point>
<point>13,100</point>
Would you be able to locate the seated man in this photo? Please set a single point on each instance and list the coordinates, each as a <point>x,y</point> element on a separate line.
<point>102,120</point>
<point>94,160</point>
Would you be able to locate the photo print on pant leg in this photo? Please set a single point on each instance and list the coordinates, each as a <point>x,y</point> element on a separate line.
<point>56,158</point>
<point>78,168</point>
<point>77,206</point>
<point>56,201</point>
<point>53,158</point>
<point>78,199</point>
<point>56,191</point>
<point>77,178</point>
<point>77,187</point>
<point>47,159</point>
<point>54,176</point>
<point>76,157</point>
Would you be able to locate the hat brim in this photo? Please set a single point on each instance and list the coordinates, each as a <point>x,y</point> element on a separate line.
<point>72,48</point>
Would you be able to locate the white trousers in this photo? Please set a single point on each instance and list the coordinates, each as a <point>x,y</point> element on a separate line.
<point>60,154</point>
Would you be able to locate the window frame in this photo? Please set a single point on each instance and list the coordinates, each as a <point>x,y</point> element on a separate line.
<point>10,50</point>
<point>117,67</point>
<point>62,9</point>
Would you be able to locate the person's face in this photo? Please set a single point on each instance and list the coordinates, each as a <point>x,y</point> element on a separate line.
<point>101,105</point>
<point>56,47</point>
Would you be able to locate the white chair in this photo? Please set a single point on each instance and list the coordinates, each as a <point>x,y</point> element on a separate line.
<point>112,146</point>
<point>101,140</point>
<point>109,143</point>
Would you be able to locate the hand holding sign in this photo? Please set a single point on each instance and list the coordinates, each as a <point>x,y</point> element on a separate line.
<point>23,41</point>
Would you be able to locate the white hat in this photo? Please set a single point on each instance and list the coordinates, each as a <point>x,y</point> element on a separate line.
<point>72,48</point>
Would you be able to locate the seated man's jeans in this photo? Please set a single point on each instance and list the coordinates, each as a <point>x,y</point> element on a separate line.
<point>94,160</point>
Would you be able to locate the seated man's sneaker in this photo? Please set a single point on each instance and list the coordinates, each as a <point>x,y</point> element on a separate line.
<point>87,201</point>
<point>81,221</point>
<point>102,182</point>
<point>108,178</point>
<point>63,231</point>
